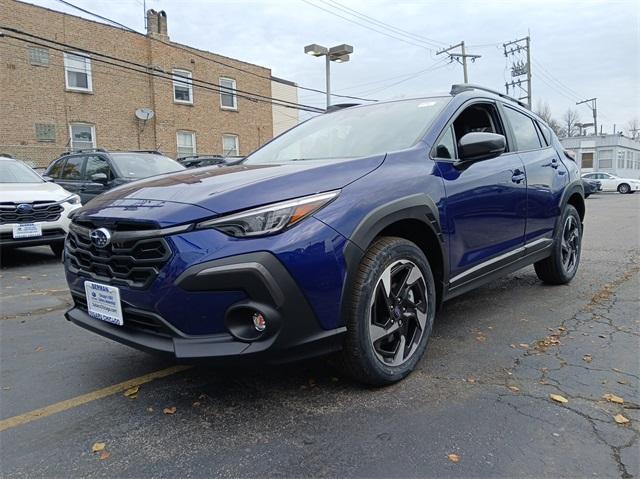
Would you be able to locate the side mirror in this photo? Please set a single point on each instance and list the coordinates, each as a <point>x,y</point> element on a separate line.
<point>480,146</point>
<point>99,178</point>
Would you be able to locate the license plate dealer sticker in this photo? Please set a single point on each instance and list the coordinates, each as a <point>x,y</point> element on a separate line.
<point>26,230</point>
<point>103,302</point>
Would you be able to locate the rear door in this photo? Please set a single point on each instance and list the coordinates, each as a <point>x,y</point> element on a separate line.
<point>546,176</point>
<point>72,174</point>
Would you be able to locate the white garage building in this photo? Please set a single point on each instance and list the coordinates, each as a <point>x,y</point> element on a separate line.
<point>615,154</point>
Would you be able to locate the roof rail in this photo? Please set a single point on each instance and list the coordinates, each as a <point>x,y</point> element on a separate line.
<point>460,87</point>
<point>86,150</point>
<point>340,106</point>
<point>156,152</point>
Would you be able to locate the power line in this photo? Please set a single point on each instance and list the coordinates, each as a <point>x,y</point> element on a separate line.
<point>196,54</point>
<point>364,25</point>
<point>457,56</point>
<point>435,66</point>
<point>369,19</point>
<point>156,72</point>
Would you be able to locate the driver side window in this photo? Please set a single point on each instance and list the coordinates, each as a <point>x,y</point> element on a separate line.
<point>479,117</point>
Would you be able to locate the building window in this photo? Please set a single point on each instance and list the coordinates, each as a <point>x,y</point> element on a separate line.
<point>587,160</point>
<point>230,145</point>
<point>228,100</point>
<point>45,132</point>
<point>39,56</point>
<point>77,71</point>
<point>186,143</point>
<point>182,86</point>
<point>605,163</point>
<point>83,136</point>
<point>605,159</point>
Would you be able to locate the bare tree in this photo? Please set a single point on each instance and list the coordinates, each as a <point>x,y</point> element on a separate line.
<point>544,111</point>
<point>633,128</point>
<point>569,119</point>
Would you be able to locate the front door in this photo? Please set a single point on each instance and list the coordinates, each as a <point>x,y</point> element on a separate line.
<point>486,200</point>
<point>71,176</point>
<point>96,167</point>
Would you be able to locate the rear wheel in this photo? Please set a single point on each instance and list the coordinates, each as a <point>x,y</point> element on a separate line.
<point>561,266</point>
<point>391,310</point>
<point>624,188</point>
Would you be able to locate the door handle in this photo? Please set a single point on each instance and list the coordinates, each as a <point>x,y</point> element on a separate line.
<point>518,176</point>
<point>554,163</point>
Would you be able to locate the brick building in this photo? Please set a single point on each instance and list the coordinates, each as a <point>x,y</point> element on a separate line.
<point>54,100</point>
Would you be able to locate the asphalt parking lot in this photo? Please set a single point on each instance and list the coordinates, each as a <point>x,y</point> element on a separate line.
<point>478,406</point>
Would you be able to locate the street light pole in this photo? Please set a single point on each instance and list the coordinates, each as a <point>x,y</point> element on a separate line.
<point>338,54</point>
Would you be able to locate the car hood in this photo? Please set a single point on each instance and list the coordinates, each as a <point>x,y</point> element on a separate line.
<point>30,192</point>
<point>232,188</point>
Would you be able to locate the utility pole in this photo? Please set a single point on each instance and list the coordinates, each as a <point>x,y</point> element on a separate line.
<point>594,110</point>
<point>519,67</point>
<point>460,57</point>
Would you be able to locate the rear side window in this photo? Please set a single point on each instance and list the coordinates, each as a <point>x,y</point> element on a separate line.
<point>546,133</point>
<point>523,129</point>
<point>73,168</point>
<point>54,170</point>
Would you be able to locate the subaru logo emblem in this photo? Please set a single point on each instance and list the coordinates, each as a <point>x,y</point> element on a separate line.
<point>24,208</point>
<point>100,237</point>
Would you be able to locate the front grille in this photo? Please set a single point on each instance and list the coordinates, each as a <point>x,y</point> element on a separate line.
<point>36,211</point>
<point>131,317</point>
<point>131,262</point>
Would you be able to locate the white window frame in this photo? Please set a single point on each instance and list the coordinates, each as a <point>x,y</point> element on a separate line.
<point>93,133</point>
<point>68,68</point>
<point>237,142</point>
<point>193,138</point>
<point>179,77</point>
<point>225,90</point>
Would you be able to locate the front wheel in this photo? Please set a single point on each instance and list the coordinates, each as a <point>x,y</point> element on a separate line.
<point>624,188</point>
<point>562,265</point>
<point>391,309</point>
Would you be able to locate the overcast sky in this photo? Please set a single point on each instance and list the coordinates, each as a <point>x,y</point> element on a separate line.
<point>579,49</point>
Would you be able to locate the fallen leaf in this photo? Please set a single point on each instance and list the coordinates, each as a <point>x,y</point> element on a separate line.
<point>524,345</point>
<point>170,410</point>
<point>620,419</point>
<point>481,338</point>
<point>453,457</point>
<point>587,358</point>
<point>132,392</point>
<point>98,446</point>
<point>613,398</point>
<point>196,403</point>
<point>562,328</point>
<point>105,455</point>
<point>616,370</point>
<point>150,409</point>
<point>513,346</point>
<point>39,348</point>
<point>558,398</point>
<point>515,389</point>
<point>623,381</point>
<point>471,380</point>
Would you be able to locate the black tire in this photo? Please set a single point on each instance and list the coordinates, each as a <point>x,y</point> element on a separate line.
<point>57,249</point>
<point>360,358</point>
<point>556,269</point>
<point>624,189</point>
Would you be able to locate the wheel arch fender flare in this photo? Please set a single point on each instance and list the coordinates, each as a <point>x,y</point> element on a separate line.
<point>572,188</point>
<point>419,207</point>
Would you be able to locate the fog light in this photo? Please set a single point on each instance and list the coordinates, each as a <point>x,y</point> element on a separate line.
<point>259,322</point>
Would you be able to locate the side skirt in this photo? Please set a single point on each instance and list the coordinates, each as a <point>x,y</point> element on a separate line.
<point>529,254</point>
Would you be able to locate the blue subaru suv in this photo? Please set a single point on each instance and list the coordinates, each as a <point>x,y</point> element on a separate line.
<point>345,235</point>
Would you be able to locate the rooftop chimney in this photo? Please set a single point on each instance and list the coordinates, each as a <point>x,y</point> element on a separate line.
<point>157,24</point>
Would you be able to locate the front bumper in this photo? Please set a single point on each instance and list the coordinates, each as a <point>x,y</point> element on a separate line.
<point>52,231</point>
<point>292,332</point>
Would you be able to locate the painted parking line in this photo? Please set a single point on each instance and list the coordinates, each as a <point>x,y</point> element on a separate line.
<point>61,406</point>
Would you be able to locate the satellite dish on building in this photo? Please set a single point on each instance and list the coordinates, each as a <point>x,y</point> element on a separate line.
<point>144,114</point>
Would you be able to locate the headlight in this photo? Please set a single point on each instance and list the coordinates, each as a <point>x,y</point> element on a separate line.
<point>269,219</point>
<point>72,200</point>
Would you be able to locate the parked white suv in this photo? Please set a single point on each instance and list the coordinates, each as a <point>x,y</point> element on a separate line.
<point>614,183</point>
<point>32,211</point>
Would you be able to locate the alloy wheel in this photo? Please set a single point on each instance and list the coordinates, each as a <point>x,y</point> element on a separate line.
<point>624,189</point>
<point>570,246</point>
<point>398,313</point>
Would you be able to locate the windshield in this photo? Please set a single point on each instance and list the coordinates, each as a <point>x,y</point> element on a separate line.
<point>143,165</point>
<point>17,172</point>
<point>353,132</point>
